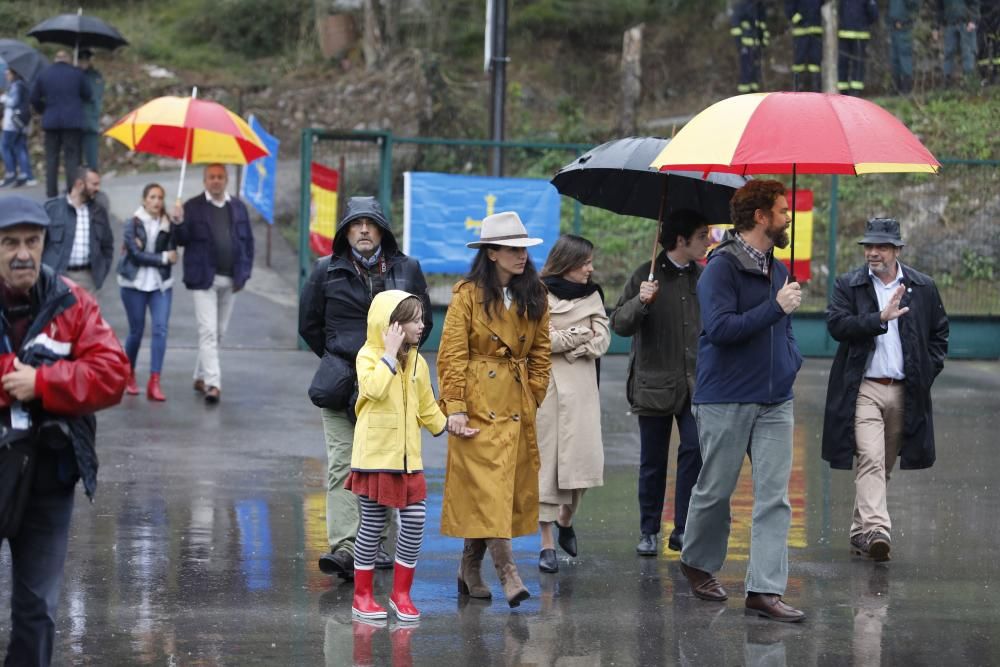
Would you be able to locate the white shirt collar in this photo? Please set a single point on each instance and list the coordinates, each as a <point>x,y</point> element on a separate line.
<point>215,203</point>
<point>898,278</point>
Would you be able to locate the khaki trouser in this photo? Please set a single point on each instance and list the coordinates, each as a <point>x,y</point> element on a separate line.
<point>878,424</point>
<point>549,512</point>
<point>342,514</point>
<point>212,309</point>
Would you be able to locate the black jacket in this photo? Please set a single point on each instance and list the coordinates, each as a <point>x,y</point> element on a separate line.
<point>58,95</point>
<point>136,250</point>
<point>853,319</point>
<point>195,234</point>
<point>59,238</point>
<point>333,306</point>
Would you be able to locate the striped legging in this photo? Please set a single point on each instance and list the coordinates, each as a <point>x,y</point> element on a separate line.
<point>408,542</point>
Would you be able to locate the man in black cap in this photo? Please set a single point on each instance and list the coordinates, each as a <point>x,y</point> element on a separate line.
<point>893,334</point>
<point>333,321</point>
<point>59,363</point>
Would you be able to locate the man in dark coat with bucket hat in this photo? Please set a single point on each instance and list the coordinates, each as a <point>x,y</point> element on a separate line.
<point>333,321</point>
<point>893,334</point>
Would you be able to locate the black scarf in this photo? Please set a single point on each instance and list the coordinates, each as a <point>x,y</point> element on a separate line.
<point>565,289</point>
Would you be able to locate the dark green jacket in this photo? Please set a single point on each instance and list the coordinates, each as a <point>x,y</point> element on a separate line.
<point>661,369</point>
<point>903,11</point>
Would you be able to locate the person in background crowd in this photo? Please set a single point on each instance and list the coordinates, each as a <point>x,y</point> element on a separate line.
<point>569,420</point>
<point>16,128</point>
<point>893,334</point>
<point>92,110</point>
<point>79,243</point>
<point>989,42</point>
<point>214,229</point>
<point>60,363</point>
<point>958,20</point>
<point>855,19</point>
<point>144,277</point>
<point>664,326</point>
<point>333,310</point>
<point>749,28</point>
<point>493,371</point>
<point>807,36</point>
<point>58,95</point>
<point>902,15</point>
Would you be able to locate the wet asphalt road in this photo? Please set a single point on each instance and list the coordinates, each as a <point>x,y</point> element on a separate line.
<point>201,546</point>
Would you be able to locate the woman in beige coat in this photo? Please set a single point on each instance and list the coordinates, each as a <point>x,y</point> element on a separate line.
<point>493,369</point>
<point>569,420</point>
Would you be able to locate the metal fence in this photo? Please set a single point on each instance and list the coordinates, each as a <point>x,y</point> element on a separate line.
<point>949,221</point>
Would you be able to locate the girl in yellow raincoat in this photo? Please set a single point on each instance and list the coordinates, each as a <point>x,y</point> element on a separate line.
<point>395,399</point>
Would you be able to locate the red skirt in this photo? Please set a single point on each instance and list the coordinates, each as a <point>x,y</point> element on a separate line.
<point>391,489</point>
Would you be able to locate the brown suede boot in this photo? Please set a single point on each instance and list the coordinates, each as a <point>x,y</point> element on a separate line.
<point>470,579</point>
<point>503,561</point>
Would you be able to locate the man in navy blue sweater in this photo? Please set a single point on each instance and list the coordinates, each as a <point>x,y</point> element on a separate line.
<point>747,362</point>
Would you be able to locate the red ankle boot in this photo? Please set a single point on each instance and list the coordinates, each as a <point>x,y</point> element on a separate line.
<point>153,388</point>
<point>364,605</point>
<point>402,581</point>
<point>131,388</point>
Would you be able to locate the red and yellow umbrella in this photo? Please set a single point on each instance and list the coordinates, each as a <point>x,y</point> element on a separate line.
<point>191,130</point>
<point>795,133</point>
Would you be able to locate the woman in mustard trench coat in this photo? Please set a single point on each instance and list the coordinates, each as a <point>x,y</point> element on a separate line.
<point>493,371</point>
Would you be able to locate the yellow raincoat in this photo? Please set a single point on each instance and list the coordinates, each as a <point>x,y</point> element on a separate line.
<point>496,370</point>
<point>392,405</point>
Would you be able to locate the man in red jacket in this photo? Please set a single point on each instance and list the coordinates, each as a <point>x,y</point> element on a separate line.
<point>59,363</point>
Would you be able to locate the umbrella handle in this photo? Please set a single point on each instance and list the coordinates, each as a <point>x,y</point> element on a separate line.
<point>791,259</point>
<point>659,227</point>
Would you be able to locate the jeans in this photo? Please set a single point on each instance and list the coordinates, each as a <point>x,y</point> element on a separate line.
<point>901,42</point>
<point>654,443</point>
<point>724,429</point>
<point>136,302</point>
<point>89,144</point>
<point>957,38</point>
<point>212,309</point>
<point>38,554</point>
<point>15,156</point>
<point>68,141</point>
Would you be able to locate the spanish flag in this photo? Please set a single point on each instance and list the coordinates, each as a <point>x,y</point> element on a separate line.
<point>323,209</point>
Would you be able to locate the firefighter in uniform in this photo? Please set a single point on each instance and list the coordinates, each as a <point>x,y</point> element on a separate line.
<point>856,18</point>
<point>807,32</point>
<point>749,28</point>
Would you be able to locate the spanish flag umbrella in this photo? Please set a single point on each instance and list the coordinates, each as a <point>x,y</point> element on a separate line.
<point>796,133</point>
<point>191,130</point>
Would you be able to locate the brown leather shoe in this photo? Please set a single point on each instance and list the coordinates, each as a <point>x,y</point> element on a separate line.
<point>199,386</point>
<point>704,585</point>
<point>772,607</point>
<point>212,395</point>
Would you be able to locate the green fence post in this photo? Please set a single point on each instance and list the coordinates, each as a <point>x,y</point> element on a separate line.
<point>385,176</point>
<point>305,203</point>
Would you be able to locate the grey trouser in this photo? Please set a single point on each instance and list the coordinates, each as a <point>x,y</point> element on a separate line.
<point>724,429</point>
<point>342,514</point>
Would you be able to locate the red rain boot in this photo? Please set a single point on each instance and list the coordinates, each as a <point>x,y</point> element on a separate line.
<point>362,632</point>
<point>132,389</point>
<point>402,580</point>
<point>364,605</point>
<point>153,392</point>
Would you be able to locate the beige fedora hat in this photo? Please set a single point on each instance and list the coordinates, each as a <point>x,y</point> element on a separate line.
<point>506,229</point>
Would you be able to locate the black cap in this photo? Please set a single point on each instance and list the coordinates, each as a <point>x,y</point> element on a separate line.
<point>19,210</point>
<point>880,231</point>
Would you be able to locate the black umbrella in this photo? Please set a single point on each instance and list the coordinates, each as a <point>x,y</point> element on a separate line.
<point>26,62</point>
<point>78,31</point>
<point>616,176</point>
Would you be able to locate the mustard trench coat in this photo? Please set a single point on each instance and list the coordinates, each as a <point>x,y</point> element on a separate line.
<point>496,370</point>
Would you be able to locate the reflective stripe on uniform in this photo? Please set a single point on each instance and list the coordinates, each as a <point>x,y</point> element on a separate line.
<point>854,34</point>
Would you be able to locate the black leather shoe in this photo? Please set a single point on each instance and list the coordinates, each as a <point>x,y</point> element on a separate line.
<point>567,539</point>
<point>339,562</point>
<point>773,607</point>
<point>676,540</point>
<point>547,561</point>
<point>879,545</point>
<point>383,561</point>
<point>647,545</point>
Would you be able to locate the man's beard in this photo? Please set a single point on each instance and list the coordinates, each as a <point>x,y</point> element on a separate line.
<point>779,237</point>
